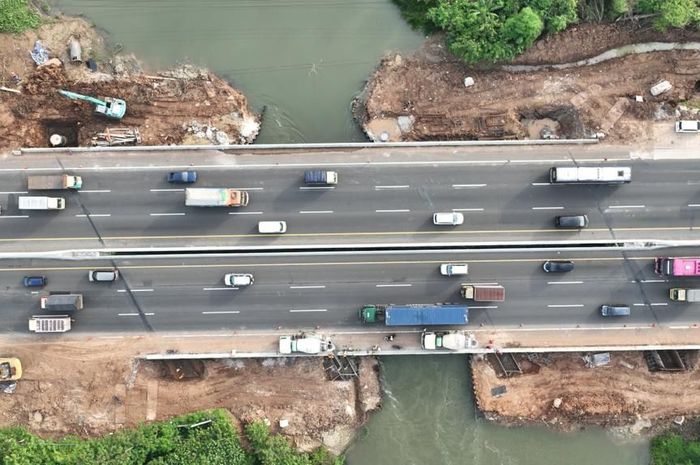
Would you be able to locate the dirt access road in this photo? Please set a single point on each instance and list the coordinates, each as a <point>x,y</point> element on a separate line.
<point>92,387</point>
<point>558,389</point>
<point>423,96</point>
<point>182,106</point>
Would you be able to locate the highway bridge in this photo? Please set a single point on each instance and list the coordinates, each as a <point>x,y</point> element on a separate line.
<point>385,199</point>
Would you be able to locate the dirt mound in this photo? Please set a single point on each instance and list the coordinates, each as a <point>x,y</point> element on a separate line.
<point>565,393</point>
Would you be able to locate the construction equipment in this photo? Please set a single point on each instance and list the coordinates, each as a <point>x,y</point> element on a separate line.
<point>117,136</point>
<point>110,107</point>
<point>10,369</point>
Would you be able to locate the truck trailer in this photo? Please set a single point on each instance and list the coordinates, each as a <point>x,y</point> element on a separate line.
<point>678,266</point>
<point>453,340</point>
<point>415,314</point>
<point>54,182</point>
<point>41,203</point>
<point>49,323</point>
<point>63,302</point>
<point>680,294</point>
<point>484,292</point>
<point>215,197</point>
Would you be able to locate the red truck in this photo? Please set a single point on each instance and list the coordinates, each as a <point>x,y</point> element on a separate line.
<point>484,292</point>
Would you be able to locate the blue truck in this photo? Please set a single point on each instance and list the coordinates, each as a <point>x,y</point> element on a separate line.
<point>320,177</point>
<point>415,314</point>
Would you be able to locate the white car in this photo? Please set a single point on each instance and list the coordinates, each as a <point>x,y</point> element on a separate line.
<point>448,218</point>
<point>238,279</point>
<point>272,227</point>
<point>688,126</point>
<point>453,269</point>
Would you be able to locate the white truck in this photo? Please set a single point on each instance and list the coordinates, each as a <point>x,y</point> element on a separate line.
<point>453,340</point>
<point>215,197</point>
<point>41,203</point>
<point>680,294</point>
<point>305,344</point>
<point>49,323</point>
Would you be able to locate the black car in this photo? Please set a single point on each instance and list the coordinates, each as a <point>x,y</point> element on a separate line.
<point>571,221</point>
<point>558,266</point>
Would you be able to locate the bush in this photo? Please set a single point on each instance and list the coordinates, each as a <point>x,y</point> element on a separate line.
<point>415,12</point>
<point>17,16</point>
<point>168,443</point>
<point>672,449</point>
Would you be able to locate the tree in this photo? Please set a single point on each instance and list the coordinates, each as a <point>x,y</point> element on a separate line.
<point>523,29</point>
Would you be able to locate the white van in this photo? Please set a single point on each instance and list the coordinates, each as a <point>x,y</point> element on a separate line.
<point>448,218</point>
<point>238,279</point>
<point>454,269</point>
<point>272,227</point>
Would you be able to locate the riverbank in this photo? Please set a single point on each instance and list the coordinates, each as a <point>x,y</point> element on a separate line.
<point>93,387</point>
<point>565,391</point>
<point>186,105</point>
<point>431,95</point>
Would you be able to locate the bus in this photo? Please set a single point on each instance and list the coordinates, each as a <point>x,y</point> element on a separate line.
<point>590,175</point>
<point>682,266</point>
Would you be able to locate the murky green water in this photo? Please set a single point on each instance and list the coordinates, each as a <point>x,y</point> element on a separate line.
<point>302,59</point>
<point>429,418</point>
<point>305,60</point>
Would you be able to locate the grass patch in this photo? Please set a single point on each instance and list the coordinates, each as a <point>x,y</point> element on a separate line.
<point>199,438</point>
<point>16,16</point>
<point>673,449</point>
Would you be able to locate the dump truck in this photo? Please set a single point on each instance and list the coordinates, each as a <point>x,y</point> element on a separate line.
<point>49,323</point>
<point>41,203</point>
<point>215,197</point>
<point>680,294</point>
<point>55,182</point>
<point>415,314</point>
<point>484,292</point>
<point>10,369</point>
<point>453,340</point>
<point>305,344</point>
<point>63,302</point>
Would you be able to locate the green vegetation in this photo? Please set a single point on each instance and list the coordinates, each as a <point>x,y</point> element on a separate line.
<point>672,449</point>
<point>494,30</point>
<point>178,441</point>
<point>17,16</point>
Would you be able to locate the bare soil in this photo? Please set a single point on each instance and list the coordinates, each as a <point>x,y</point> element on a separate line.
<point>423,96</point>
<point>161,105</point>
<point>96,387</point>
<point>623,393</point>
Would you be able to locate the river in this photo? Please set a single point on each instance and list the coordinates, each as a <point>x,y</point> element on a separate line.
<point>304,60</point>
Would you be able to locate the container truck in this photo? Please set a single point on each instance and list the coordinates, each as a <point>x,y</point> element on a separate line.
<point>679,266</point>
<point>62,302</point>
<point>305,344</point>
<point>49,323</point>
<point>41,203</point>
<point>590,175</point>
<point>213,197</point>
<point>680,294</point>
<point>453,340</point>
<point>320,177</point>
<point>54,182</point>
<point>484,292</point>
<point>415,314</point>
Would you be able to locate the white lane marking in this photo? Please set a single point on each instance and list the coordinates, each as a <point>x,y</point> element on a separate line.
<point>315,211</point>
<point>307,287</point>
<point>693,205</point>
<point>94,215</point>
<point>392,211</point>
<point>565,282</point>
<point>167,190</point>
<point>626,206</point>
<point>693,183</point>
<point>393,285</point>
<point>466,186</point>
<point>15,192</point>
<point>35,292</point>
<point>136,290</point>
<point>651,281</point>
<point>134,314</point>
<point>547,208</point>
<point>484,306</point>
<point>659,304</point>
<point>541,183</point>
<point>222,312</point>
<point>639,305</point>
<point>220,288</point>
<point>403,186</point>
<point>94,191</point>
<point>250,188</point>
<point>9,217</point>
<point>565,305</point>
<point>316,188</point>
<point>245,213</point>
<point>467,209</point>
<point>167,214</point>
<point>308,310</point>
